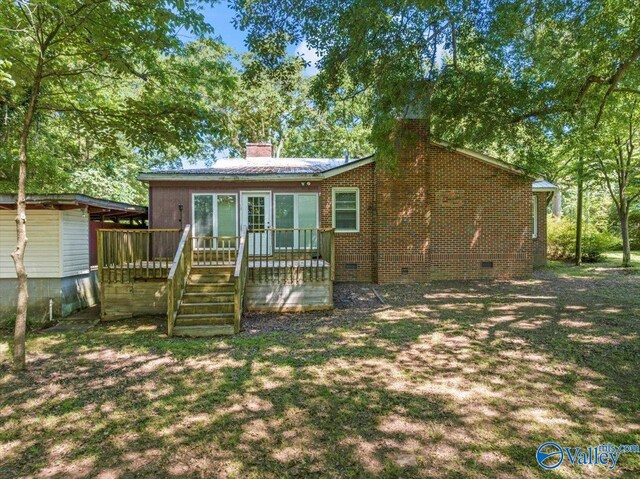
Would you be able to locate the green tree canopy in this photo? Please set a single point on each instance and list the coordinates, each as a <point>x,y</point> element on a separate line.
<point>107,72</point>
<point>278,107</point>
<point>98,121</point>
<point>485,73</point>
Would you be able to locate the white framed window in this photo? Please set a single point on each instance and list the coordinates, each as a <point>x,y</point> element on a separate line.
<point>346,209</point>
<point>534,212</point>
<point>215,214</point>
<point>296,211</point>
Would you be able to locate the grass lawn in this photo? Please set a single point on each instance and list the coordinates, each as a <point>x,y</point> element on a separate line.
<point>444,380</point>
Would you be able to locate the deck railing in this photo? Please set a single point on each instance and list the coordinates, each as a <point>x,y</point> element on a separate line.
<point>215,250</point>
<point>276,255</point>
<point>240,278</point>
<point>127,255</point>
<point>289,255</point>
<point>328,245</point>
<point>177,279</point>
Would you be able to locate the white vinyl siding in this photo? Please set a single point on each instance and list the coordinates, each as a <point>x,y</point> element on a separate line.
<point>42,255</point>
<point>75,243</point>
<point>58,243</point>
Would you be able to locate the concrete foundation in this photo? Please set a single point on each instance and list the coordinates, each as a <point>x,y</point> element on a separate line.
<point>69,294</point>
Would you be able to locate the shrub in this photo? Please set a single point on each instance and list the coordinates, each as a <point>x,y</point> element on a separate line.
<point>561,241</point>
<point>595,243</point>
<point>561,238</point>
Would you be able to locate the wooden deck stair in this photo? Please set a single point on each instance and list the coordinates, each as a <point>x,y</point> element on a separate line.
<point>207,283</point>
<point>208,303</point>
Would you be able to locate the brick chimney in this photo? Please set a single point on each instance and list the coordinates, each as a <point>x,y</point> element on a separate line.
<point>415,117</point>
<point>261,150</point>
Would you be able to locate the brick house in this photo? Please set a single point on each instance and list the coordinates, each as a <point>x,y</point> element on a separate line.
<point>443,213</point>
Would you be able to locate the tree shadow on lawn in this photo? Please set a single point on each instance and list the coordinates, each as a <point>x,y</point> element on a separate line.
<point>446,380</point>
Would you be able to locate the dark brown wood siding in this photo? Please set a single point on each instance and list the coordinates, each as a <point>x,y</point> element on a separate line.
<point>165,196</point>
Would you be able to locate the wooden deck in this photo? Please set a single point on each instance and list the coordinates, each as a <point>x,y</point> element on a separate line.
<point>145,271</point>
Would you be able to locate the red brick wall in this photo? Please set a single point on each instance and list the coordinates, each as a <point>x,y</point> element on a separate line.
<point>540,243</point>
<point>439,215</point>
<point>259,150</point>
<point>480,214</point>
<point>353,250</point>
<point>403,216</point>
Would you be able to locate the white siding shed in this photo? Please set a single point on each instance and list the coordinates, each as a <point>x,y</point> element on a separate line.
<point>74,255</point>
<point>58,243</point>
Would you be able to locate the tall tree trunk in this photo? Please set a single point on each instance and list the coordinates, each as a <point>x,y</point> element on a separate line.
<point>19,354</point>
<point>280,146</point>
<point>579,212</point>
<point>556,208</point>
<point>623,213</point>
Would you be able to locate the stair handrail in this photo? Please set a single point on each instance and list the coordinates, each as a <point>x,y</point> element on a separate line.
<point>240,277</point>
<point>177,279</point>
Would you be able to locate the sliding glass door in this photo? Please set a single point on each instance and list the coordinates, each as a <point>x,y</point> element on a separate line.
<point>294,215</point>
<point>296,211</point>
<point>215,215</point>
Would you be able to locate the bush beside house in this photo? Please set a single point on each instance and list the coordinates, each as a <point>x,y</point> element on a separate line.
<point>561,241</point>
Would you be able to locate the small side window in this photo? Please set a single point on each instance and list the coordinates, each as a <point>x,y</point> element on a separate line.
<point>534,211</point>
<point>346,210</point>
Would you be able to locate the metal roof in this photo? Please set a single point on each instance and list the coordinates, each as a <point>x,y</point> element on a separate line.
<point>543,185</point>
<point>263,168</point>
<point>266,168</point>
<point>96,206</point>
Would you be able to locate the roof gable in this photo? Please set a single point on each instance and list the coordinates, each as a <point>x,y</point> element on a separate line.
<point>484,158</point>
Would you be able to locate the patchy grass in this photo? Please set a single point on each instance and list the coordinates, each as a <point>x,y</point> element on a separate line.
<point>445,380</point>
<point>614,258</point>
<point>611,260</point>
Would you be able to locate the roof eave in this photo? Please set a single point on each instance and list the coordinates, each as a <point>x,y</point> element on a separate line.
<point>78,200</point>
<point>146,177</point>
<point>485,158</point>
<point>336,170</point>
<point>542,185</point>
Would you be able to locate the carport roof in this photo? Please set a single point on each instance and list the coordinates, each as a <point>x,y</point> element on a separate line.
<point>98,208</point>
